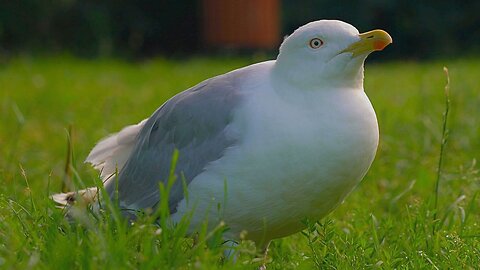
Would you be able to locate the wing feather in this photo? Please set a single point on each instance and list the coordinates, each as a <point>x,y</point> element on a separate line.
<point>111,153</point>
<point>196,123</point>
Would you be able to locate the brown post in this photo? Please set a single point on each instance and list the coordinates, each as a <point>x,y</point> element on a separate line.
<point>241,23</point>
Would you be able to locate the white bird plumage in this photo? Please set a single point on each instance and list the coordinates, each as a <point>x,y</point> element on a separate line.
<point>303,136</point>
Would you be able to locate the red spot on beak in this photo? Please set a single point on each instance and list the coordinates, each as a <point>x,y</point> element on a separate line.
<point>379,45</point>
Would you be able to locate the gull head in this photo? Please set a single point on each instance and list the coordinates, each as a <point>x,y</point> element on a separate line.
<point>327,53</point>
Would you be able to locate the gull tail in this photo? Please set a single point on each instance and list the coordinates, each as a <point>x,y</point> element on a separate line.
<point>108,156</point>
<point>112,152</point>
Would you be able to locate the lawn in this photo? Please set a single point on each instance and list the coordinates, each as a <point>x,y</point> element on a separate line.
<point>389,221</point>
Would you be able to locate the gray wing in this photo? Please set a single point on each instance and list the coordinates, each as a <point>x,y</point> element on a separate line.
<point>194,122</point>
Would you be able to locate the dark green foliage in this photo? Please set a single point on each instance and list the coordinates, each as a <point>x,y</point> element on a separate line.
<point>99,28</point>
<point>420,29</point>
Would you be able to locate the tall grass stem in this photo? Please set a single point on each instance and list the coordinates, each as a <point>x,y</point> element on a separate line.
<point>442,147</point>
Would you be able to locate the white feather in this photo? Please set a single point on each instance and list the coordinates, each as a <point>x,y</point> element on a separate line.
<point>87,195</point>
<point>108,156</point>
<point>111,153</point>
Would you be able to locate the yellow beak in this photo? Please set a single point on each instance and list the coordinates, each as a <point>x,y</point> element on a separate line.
<point>375,40</point>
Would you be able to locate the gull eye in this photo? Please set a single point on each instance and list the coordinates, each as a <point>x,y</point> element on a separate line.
<point>315,43</point>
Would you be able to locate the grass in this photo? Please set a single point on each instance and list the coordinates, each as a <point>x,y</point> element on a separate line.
<point>392,220</point>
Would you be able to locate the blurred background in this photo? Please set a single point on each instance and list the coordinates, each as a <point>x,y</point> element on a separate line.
<point>143,28</point>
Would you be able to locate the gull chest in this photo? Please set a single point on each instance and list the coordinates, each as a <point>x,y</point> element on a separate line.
<point>301,160</point>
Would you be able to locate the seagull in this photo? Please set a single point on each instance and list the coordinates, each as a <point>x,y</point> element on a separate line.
<point>260,148</point>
